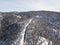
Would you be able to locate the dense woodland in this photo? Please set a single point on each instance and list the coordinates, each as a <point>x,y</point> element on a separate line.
<point>44,24</point>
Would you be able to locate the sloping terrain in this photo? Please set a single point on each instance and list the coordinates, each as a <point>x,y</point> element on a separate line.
<point>29,28</point>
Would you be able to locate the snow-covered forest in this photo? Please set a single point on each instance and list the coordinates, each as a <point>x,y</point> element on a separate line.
<point>30,28</point>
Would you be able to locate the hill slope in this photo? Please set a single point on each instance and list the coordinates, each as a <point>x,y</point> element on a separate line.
<point>33,25</point>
